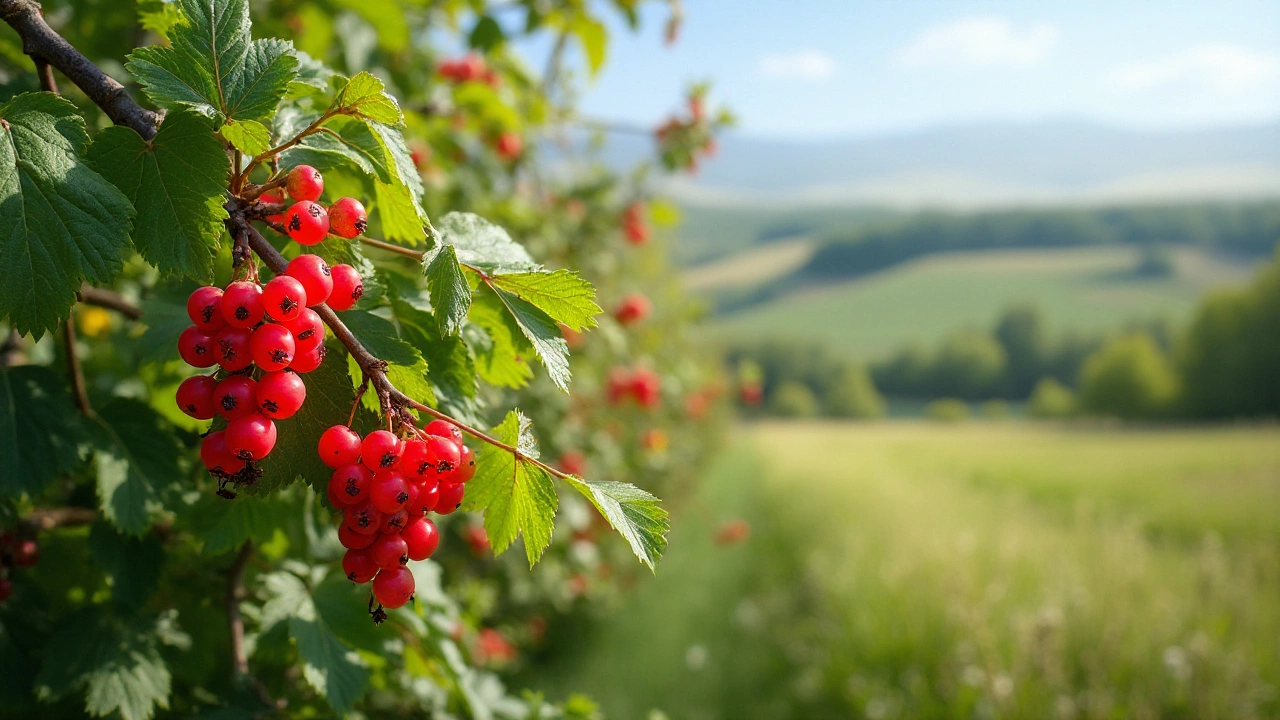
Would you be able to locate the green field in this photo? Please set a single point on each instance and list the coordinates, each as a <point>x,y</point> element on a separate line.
<point>920,301</point>
<point>984,570</point>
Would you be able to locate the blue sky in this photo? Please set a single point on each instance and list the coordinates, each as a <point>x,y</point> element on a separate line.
<point>807,69</point>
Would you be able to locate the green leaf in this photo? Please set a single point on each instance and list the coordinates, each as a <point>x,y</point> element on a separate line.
<point>39,429</point>
<point>516,495</point>
<point>117,664</point>
<point>225,525</point>
<point>450,293</point>
<point>486,35</point>
<point>365,95</point>
<point>61,223</point>
<point>397,213</point>
<point>380,337</point>
<point>406,180</point>
<point>137,456</point>
<point>562,295</point>
<point>248,136</point>
<point>343,142</point>
<point>450,366</point>
<point>503,362</point>
<point>132,564</point>
<point>594,38</point>
<point>214,66</point>
<point>177,182</point>
<point>481,244</point>
<point>634,513</point>
<point>543,334</point>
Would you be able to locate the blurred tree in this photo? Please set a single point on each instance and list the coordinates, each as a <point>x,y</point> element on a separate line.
<point>969,365</point>
<point>853,395</point>
<point>1051,399</point>
<point>1021,333</point>
<point>947,410</point>
<point>1129,378</point>
<point>793,400</point>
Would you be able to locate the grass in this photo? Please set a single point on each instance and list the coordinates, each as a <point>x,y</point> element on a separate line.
<point>751,267</point>
<point>1077,289</point>
<point>1002,570</point>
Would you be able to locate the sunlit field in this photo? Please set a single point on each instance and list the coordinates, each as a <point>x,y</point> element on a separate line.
<point>981,570</point>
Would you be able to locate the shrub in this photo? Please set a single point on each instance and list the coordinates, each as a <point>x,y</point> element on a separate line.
<point>793,400</point>
<point>1051,399</point>
<point>947,410</point>
<point>1128,378</point>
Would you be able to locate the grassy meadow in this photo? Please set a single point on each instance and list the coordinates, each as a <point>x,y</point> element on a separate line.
<point>1007,570</point>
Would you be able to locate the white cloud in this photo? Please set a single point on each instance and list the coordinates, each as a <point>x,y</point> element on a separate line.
<point>979,42</point>
<point>1217,68</point>
<point>804,65</point>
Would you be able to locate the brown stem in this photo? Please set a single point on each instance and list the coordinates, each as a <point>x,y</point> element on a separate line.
<point>50,518</point>
<point>109,300</point>
<point>389,247</point>
<point>74,371</point>
<point>271,153</point>
<point>355,404</point>
<point>47,82</point>
<point>43,44</point>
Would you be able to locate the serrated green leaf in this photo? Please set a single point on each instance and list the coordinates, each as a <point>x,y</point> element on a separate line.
<point>177,182</point>
<point>62,222</point>
<point>481,244</point>
<point>39,429</point>
<point>450,293</point>
<point>117,664</point>
<point>365,95</point>
<point>137,456</point>
<point>400,161</point>
<point>634,513</point>
<point>562,295</point>
<point>165,317</point>
<point>248,136</point>
<point>131,563</point>
<point>380,337</point>
<point>543,334</point>
<point>158,16</point>
<point>450,366</point>
<point>224,525</point>
<point>594,38</point>
<point>214,66</point>
<point>397,215</point>
<point>516,496</point>
<point>503,362</point>
<point>342,142</point>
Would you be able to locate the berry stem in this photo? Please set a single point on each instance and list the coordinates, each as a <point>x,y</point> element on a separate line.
<point>355,405</point>
<point>74,370</point>
<point>110,300</point>
<point>311,129</point>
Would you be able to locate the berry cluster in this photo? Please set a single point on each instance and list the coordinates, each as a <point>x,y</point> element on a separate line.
<point>15,552</point>
<point>385,486</point>
<point>469,68</point>
<point>261,337</point>
<point>308,222</point>
<point>633,224</point>
<point>641,384</point>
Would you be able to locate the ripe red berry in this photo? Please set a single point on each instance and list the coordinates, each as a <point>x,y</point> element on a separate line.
<point>450,498</point>
<point>272,347</point>
<point>284,298</point>
<point>204,307</point>
<point>338,446</point>
<point>197,348</point>
<point>509,146</point>
<point>633,308</point>
<point>251,437</point>
<point>242,304</point>
<point>389,491</point>
<point>273,199</point>
<point>363,518</point>
<point>25,554</point>
<point>306,361</point>
<point>380,450</point>
<point>466,465</point>
<point>352,482</point>
<point>413,460</point>
<point>304,183</point>
<point>313,272</point>
<point>307,329</point>
<point>359,566</point>
<point>426,499</point>
<point>396,521</point>
<point>347,218</point>
<point>389,551</point>
<point>441,458</point>
<point>281,394</point>
<point>393,588</point>
<point>347,287</point>
<point>353,540</point>
<point>306,222</point>
<point>236,397</point>
<point>217,459</point>
<point>233,348</point>
<point>444,428</point>
<point>195,396</point>
<point>421,537</point>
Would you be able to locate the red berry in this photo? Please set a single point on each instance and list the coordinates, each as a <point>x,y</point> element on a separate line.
<point>380,450</point>
<point>393,588</point>
<point>280,394</point>
<point>197,348</point>
<point>396,521</point>
<point>273,199</point>
<point>347,218</point>
<point>338,446</point>
<point>413,460</point>
<point>313,272</point>
<point>204,307</point>
<point>25,554</point>
<point>363,518</point>
<point>450,498</point>
<point>633,308</point>
<point>421,537</point>
<point>242,304</point>
<point>217,459</point>
<point>352,483</point>
<point>251,437</point>
<point>509,146</point>
<point>441,458</point>
<point>304,183</point>
<point>389,491</point>
<point>308,360</point>
<point>389,551</point>
<point>466,465</point>
<point>195,396</point>
<point>307,329</point>
<point>347,287</point>
<point>236,397</point>
<point>284,298</point>
<point>353,540</point>
<point>426,499</point>
<point>233,348</point>
<point>444,428</point>
<point>359,566</point>
<point>6,589</point>
<point>306,222</point>
<point>272,347</point>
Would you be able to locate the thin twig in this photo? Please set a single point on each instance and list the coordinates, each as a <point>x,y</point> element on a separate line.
<point>50,518</point>
<point>47,81</point>
<point>390,247</point>
<point>235,626</point>
<point>74,371</point>
<point>110,300</point>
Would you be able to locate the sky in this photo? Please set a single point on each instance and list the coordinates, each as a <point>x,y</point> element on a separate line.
<point>815,69</point>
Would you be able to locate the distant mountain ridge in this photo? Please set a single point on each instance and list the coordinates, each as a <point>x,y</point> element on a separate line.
<point>985,165</point>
